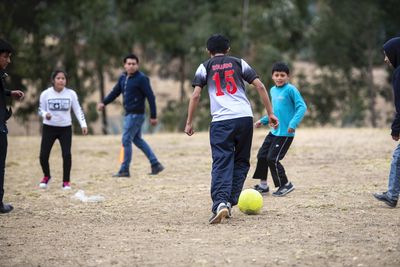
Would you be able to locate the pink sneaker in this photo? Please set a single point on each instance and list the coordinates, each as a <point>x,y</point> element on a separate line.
<point>66,185</point>
<point>44,182</point>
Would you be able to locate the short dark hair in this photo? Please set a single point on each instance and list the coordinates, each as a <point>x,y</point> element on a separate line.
<point>54,74</point>
<point>217,43</point>
<point>280,67</point>
<point>5,47</point>
<point>131,56</point>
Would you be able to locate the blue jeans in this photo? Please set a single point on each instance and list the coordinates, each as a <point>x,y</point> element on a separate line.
<point>133,133</point>
<point>394,176</point>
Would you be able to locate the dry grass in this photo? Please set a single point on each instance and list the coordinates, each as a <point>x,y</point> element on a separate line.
<point>331,219</point>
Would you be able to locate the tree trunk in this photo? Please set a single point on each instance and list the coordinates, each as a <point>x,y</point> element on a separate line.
<point>370,35</point>
<point>182,122</point>
<point>100,75</point>
<point>182,77</point>
<point>245,44</point>
<point>371,89</point>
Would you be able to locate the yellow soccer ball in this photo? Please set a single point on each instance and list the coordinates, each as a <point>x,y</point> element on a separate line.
<point>250,201</point>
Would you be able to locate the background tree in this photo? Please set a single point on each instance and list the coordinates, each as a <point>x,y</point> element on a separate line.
<point>343,40</point>
<point>347,40</point>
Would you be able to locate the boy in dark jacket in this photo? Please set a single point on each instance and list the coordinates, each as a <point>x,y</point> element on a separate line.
<point>392,57</point>
<point>5,59</point>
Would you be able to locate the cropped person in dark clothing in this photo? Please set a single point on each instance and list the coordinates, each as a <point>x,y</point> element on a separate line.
<point>135,87</point>
<point>5,58</point>
<point>392,57</point>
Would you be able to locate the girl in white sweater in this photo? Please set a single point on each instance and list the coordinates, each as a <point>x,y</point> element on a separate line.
<point>55,109</point>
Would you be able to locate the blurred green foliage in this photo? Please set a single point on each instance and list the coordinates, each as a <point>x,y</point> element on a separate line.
<point>89,38</point>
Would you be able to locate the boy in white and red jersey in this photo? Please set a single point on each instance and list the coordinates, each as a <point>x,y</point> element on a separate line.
<point>231,130</point>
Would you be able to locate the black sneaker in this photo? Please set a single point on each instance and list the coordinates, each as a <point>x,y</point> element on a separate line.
<point>156,168</point>
<point>384,198</point>
<point>283,190</point>
<point>121,174</point>
<point>220,215</point>
<point>5,208</point>
<point>260,189</point>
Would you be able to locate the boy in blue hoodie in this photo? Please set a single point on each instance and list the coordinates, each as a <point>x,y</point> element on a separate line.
<point>392,57</point>
<point>288,105</point>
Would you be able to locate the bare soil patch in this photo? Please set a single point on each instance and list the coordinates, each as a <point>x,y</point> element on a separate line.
<point>331,219</point>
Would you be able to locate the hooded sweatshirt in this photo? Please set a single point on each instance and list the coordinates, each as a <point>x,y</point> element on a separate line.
<point>392,51</point>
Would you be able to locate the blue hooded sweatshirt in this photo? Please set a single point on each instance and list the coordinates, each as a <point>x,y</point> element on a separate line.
<point>392,51</point>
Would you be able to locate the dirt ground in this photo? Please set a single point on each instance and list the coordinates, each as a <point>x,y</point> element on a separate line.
<point>331,219</point>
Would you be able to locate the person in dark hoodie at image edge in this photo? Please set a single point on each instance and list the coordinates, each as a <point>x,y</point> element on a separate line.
<point>392,57</point>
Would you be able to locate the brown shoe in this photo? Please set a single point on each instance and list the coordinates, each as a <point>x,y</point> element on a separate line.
<point>156,169</point>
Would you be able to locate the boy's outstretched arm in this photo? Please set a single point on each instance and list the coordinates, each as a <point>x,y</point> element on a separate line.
<point>194,101</point>
<point>273,120</point>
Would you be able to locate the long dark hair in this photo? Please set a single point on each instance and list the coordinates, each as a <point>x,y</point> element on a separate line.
<point>54,74</point>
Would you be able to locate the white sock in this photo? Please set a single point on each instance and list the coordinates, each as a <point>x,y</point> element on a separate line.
<point>263,184</point>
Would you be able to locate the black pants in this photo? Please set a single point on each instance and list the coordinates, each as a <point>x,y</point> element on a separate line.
<point>230,142</point>
<point>3,155</point>
<point>49,136</point>
<point>271,152</point>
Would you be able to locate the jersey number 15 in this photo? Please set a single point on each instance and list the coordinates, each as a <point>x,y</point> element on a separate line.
<point>229,81</point>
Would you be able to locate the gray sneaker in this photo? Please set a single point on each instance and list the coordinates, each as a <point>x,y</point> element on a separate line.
<point>261,189</point>
<point>283,190</point>
<point>220,215</point>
